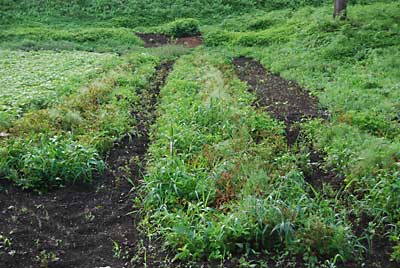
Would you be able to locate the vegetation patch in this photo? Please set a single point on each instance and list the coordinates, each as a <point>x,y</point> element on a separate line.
<point>70,37</point>
<point>98,213</point>
<point>285,100</point>
<point>183,28</point>
<point>354,146</point>
<point>66,141</point>
<point>34,80</point>
<point>214,192</point>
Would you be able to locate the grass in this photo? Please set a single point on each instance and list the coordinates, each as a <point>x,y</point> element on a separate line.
<point>134,13</point>
<point>351,66</point>
<point>177,28</point>
<point>37,36</point>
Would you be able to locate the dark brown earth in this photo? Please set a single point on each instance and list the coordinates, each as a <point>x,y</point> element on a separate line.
<point>380,247</point>
<point>158,40</point>
<point>317,175</point>
<point>154,40</point>
<point>81,225</point>
<point>285,100</point>
<point>191,42</point>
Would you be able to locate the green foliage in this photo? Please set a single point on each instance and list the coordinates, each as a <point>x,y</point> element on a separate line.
<point>217,38</point>
<point>396,252</point>
<point>221,180</point>
<point>249,205</point>
<point>58,159</point>
<point>99,39</point>
<point>352,65</point>
<point>183,28</point>
<point>133,13</point>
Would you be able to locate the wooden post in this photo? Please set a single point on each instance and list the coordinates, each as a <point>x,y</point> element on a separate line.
<point>340,9</point>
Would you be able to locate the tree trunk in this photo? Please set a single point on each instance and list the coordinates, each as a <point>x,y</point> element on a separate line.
<point>340,9</point>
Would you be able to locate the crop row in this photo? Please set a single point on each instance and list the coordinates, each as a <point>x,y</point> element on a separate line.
<point>66,142</point>
<point>221,179</point>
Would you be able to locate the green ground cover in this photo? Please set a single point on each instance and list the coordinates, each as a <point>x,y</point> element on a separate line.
<point>133,13</point>
<point>68,36</point>
<point>34,80</point>
<point>352,66</point>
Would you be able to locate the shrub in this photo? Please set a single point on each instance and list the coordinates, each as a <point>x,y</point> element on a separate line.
<point>184,28</point>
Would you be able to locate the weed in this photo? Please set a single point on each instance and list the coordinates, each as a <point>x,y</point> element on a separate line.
<point>5,244</point>
<point>31,83</point>
<point>45,257</point>
<point>117,250</point>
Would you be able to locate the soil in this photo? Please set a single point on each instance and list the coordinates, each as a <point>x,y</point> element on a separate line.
<point>285,100</point>
<point>154,40</point>
<point>81,225</point>
<point>191,42</point>
<point>318,175</point>
<point>158,40</point>
<point>93,225</point>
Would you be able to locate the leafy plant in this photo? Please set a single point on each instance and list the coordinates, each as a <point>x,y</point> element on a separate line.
<point>58,159</point>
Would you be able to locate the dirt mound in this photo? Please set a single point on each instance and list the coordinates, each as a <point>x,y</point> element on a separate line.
<point>318,175</point>
<point>84,226</point>
<point>158,40</point>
